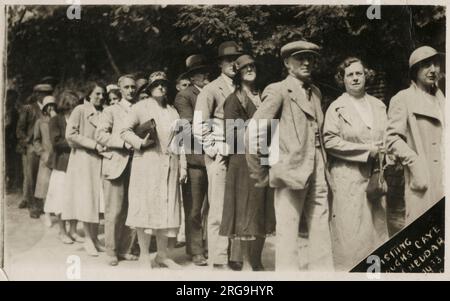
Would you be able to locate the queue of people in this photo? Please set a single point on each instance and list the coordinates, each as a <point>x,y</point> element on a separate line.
<point>117,154</point>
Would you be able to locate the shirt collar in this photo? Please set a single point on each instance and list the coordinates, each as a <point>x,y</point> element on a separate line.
<point>228,81</point>
<point>41,105</point>
<point>126,103</point>
<point>200,89</point>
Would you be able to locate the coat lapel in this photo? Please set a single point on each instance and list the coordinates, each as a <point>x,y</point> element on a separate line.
<point>223,87</point>
<point>298,97</point>
<point>420,106</point>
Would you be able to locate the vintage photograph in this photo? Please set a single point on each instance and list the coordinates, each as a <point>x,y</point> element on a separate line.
<point>170,142</point>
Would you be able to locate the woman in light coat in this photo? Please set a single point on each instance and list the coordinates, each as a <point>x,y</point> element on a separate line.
<point>154,191</point>
<point>82,183</point>
<point>415,133</point>
<point>354,130</point>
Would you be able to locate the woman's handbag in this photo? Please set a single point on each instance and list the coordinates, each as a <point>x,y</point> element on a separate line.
<point>148,127</point>
<point>377,186</point>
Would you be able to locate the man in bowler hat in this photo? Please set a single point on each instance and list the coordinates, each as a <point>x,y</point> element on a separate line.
<point>195,190</point>
<point>299,174</point>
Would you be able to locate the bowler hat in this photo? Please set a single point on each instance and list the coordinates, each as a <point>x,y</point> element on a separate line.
<point>195,62</point>
<point>229,48</point>
<point>242,61</point>
<point>43,88</point>
<point>297,47</point>
<point>421,54</point>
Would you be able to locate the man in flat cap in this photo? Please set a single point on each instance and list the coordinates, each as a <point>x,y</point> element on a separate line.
<point>28,116</point>
<point>208,128</point>
<point>299,174</point>
<point>415,132</point>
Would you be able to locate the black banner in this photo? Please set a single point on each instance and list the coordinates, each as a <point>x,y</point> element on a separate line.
<point>418,248</point>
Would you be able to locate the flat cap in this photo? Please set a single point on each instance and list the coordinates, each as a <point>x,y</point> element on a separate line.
<point>43,88</point>
<point>297,47</point>
<point>421,54</point>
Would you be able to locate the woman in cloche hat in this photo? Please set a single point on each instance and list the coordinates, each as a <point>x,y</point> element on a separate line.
<point>156,172</point>
<point>415,132</point>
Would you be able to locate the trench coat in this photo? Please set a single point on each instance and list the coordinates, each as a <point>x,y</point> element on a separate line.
<point>43,147</point>
<point>83,175</point>
<point>415,136</point>
<point>154,191</point>
<point>358,226</point>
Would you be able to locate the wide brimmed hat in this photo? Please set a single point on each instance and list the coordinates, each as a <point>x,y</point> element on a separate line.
<point>297,47</point>
<point>195,62</point>
<point>242,61</point>
<point>423,53</point>
<point>48,100</point>
<point>229,48</point>
<point>156,77</point>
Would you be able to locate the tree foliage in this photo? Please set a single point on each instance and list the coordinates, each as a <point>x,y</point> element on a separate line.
<point>115,39</point>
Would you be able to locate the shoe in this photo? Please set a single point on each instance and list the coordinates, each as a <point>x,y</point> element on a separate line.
<point>34,214</point>
<point>23,204</point>
<point>65,239</point>
<point>76,238</point>
<point>166,263</point>
<point>180,244</point>
<point>199,260</point>
<point>220,267</point>
<point>235,265</point>
<point>90,249</point>
<point>129,257</point>
<point>99,247</point>
<point>113,260</point>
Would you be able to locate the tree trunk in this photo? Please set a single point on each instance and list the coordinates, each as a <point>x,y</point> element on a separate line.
<point>110,58</point>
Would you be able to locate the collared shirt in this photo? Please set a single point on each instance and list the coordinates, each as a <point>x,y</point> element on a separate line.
<point>302,86</point>
<point>126,103</point>
<point>363,108</point>
<point>200,89</point>
<point>229,82</point>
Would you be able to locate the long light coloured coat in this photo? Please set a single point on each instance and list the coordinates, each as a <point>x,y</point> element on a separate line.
<point>154,191</point>
<point>83,178</point>
<point>415,134</point>
<point>358,226</point>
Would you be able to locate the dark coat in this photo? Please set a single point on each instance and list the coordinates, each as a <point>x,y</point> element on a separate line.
<point>247,210</point>
<point>25,125</point>
<point>59,157</point>
<point>185,104</point>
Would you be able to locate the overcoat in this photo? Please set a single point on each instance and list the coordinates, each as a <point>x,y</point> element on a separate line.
<point>154,190</point>
<point>415,136</point>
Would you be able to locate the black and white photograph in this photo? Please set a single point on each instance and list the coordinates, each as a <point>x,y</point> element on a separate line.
<point>223,141</point>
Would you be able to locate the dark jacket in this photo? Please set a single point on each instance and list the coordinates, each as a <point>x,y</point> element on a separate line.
<point>28,116</point>
<point>185,104</point>
<point>59,157</point>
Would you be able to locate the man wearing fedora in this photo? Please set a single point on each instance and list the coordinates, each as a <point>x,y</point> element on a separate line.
<point>119,238</point>
<point>299,174</point>
<point>415,132</point>
<point>28,116</point>
<point>195,190</point>
<point>208,128</point>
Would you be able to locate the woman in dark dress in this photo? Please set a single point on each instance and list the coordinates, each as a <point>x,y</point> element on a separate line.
<point>248,213</point>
